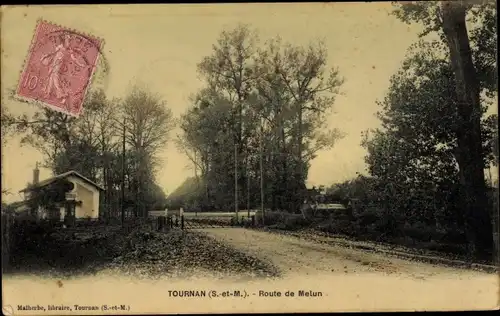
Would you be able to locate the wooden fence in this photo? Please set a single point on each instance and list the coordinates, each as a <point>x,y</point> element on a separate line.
<point>6,238</point>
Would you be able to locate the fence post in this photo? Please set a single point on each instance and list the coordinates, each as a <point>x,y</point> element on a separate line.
<point>182,221</point>
<point>6,241</point>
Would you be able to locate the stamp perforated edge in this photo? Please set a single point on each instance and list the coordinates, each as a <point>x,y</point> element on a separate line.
<point>28,54</point>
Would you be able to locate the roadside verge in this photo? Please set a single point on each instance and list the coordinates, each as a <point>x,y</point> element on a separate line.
<point>390,250</point>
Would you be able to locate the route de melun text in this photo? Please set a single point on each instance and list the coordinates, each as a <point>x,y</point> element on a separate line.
<point>243,294</point>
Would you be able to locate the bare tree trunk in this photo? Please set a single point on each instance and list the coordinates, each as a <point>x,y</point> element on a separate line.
<point>248,188</point>
<point>284,192</point>
<point>236,208</point>
<point>262,171</point>
<point>274,191</point>
<point>123,175</point>
<point>478,220</point>
<point>299,181</point>
<point>107,206</point>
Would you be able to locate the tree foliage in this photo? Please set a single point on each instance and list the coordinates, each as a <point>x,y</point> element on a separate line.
<point>482,29</point>
<point>417,158</point>
<point>270,100</point>
<point>92,144</point>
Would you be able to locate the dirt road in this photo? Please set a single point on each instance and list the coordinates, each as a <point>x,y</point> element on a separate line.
<point>366,273</point>
<point>297,256</point>
<point>330,278</point>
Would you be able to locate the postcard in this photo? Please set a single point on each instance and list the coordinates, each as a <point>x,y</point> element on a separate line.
<point>249,158</point>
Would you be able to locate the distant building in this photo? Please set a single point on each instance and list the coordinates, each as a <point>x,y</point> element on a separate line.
<point>319,204</point>
<point>84,192</point>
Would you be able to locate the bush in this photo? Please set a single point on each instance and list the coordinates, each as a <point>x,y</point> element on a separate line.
<point>342,227</point>
<point>368,216</point>
<point>271,217</point>
<point>460,249</point>
<point>282,220</point>
<point>29,236</point>
<point>295,221</point>
<point>113,221</point>
<point>247,223</point>
<point>375,224</point>
<point>233,221</point>
<point>455,236</point>
<point>88,222</point>
<point>423,232</point>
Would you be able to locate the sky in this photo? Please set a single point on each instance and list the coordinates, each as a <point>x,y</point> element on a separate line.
<point>160,46</point>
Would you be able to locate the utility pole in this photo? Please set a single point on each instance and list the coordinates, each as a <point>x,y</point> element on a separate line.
<point>248,190</point>
<point>236,180</point>
<point>261,170</point>
<point>489,174</point>
<point>123,174</point>
<point>197,182</point>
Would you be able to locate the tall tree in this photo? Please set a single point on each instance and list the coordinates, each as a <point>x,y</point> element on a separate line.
<point>91,143</point>
<point>245,85</point>
<point>469,135</point>
<point>297,84</point>
<point>448,18</point>
<point>148,125</point>
<point>229,71</point>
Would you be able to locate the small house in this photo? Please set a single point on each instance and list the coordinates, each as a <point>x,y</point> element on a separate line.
<point>57,191</point>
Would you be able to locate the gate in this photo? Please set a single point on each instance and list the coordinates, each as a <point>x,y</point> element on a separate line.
<point>199,220</point>
<point>216,220</point>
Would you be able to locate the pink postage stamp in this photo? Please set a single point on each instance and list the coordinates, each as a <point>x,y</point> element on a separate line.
<point>59,68</point>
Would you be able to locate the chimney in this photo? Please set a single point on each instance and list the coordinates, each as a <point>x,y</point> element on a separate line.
<point>36,174</point>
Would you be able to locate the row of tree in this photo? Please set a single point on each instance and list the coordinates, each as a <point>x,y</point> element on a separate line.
<point>262,106</point>
<point>134,128</point>
<point>427,161</point>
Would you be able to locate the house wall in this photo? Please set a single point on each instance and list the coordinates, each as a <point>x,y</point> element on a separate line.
<point>86,209</point>
<point>63,212</point>
<point>88,195</point>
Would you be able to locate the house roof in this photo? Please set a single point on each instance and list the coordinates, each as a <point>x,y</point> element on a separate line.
<point>62,176</point>
<point>19,205</point>
<point>16,203</point>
